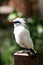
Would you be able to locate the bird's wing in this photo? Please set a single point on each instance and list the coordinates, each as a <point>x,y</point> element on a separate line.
<point>26,39</point>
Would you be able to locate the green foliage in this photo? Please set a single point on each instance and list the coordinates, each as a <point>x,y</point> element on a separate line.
<point>7,46</point>
<point>11,16</point>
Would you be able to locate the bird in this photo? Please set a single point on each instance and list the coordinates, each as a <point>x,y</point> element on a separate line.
<point>22,34</point>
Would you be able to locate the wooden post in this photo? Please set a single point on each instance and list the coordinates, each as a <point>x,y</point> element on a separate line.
<point>24,59</point>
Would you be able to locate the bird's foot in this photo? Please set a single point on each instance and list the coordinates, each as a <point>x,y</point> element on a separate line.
<point>34,55</point>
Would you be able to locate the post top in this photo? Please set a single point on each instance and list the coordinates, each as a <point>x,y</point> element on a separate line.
<point>22,53</point>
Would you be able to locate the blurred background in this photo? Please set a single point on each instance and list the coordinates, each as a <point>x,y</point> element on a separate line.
<point>32,10</point>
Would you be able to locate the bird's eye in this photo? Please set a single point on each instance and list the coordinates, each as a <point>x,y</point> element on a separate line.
<point>17,22</point>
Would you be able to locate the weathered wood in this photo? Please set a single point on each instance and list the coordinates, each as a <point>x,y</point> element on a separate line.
<point>23,6</point>
<point>27,7</point>
<point>24,59</point>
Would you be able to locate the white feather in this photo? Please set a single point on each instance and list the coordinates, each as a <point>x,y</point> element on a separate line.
<point>22,37</point>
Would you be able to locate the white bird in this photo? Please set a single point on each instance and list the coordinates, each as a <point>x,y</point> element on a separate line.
<point>22,34</point>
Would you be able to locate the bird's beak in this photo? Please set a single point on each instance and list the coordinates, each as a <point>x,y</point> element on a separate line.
<point>11,21</point>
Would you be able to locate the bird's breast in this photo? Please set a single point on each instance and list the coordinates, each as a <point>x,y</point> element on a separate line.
<point>17,32</point>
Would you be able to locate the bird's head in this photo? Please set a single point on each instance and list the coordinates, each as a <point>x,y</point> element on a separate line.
<point>19,21</point>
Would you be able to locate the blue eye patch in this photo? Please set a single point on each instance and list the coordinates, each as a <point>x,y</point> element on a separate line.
<point>17,22</point>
